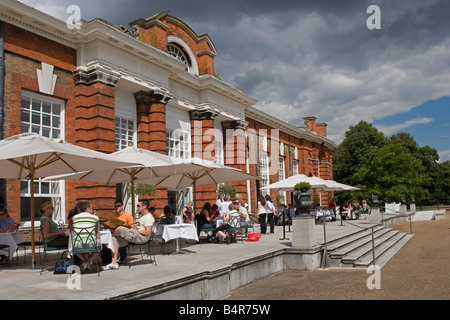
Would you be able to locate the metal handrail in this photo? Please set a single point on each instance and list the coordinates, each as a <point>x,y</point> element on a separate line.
<point>325,252</point>
<point>324,258</point>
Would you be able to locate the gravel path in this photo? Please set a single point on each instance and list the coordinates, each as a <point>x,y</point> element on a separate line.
<point>420,270</point>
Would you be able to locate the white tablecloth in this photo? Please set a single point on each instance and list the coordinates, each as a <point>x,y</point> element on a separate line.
<point>175,231</point>
<point>11,239</point>
<point>106,238</point>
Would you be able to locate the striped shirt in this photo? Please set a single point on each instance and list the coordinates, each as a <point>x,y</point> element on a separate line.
<point>85,223</point>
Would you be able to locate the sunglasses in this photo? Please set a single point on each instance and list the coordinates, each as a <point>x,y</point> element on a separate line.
<point>118,206</point>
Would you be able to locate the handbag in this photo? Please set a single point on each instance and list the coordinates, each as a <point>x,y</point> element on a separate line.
<point>62,265</point>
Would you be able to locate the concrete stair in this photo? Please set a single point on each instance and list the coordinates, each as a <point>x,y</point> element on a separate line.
<point>355,250</point>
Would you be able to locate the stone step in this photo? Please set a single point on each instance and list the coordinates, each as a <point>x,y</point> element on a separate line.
<point>346,246</point>
<point>366,247</point>
<point>382,249</point>
<point>388,254</point>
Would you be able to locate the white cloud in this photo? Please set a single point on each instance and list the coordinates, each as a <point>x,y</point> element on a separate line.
<point>53,8</point>
<point>444,155</point>
<point>391,129</point>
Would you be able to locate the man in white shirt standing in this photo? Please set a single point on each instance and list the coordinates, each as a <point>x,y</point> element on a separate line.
<point>122,235</point>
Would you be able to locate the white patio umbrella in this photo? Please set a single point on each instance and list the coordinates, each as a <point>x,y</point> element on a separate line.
<point>317,184</point>
<point>150,165</point>
<point>289,183</point>
<point>210,173</point>
<point>337,186</point>
<point>30,156</point>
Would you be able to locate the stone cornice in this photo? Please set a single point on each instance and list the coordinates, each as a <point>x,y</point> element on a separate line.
<point>94,74</point>
<point>149,97</point>
<point>205,114</point>
<point>234,124</point>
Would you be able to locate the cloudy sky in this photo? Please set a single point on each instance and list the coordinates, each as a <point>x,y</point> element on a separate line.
<point>318,57</point>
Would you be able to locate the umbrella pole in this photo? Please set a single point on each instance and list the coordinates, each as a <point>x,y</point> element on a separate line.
<point>195,198</point>
<point>133,208</point>
<point>33,247</point>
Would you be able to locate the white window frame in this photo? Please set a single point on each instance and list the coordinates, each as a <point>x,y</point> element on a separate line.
<point>177,147</point>
<point>264,171</point>
<point>282,174</point>
<point>294,167</point>
<point>219,151</point>
<point>45,114</point>
<point>125,132</point>
<point>55,192</point>
<point>47,105</point>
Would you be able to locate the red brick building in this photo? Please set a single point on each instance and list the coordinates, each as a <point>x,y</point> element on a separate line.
<point>152,85</point>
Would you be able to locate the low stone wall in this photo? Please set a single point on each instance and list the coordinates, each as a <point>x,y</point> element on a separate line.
<point>218,284</point>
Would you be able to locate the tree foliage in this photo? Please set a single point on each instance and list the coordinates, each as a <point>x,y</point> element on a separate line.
<point>352,152</point>
<point>390,167</point>
<point>392,172</point>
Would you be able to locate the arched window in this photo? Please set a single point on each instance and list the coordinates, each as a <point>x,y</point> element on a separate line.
<point>178,52</point>
<point>181,50</point>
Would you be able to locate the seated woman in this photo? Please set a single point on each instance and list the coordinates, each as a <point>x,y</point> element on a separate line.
<point>6,222</point>
<point>167,217</point>
<point>52,236</point>
<point>202,219</point>
<point>214,215</point>
<point>6,225</point>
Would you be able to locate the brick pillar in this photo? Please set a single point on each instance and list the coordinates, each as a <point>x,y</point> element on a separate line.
<point>151,133</point>
<point>203,146</point>
<point>143,101</point>
<point>235,151</point>
<point>157,122</point>
<point>95,129</point>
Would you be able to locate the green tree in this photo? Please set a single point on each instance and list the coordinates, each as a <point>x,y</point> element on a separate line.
<point>227,189</point>
<point>392,172</point>
<point>429,158</point>
<point>352,153</point>
<point>440,183</point>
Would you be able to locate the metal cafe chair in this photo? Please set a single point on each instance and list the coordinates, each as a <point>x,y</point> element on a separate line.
<point>86,240</point>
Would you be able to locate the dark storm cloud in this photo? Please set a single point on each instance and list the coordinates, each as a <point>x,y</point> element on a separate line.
<point>312,57</point>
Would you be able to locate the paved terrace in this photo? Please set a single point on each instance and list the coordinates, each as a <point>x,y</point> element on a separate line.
<point>204,273</point>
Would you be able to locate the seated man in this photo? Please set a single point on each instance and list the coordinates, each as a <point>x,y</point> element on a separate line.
<point>122,235</point>
<point>243,214</point>
<point>86,220</point>
<point>128,222</point>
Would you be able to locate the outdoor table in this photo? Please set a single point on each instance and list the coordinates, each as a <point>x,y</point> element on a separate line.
<point>106,239</point>
<point>177,231</point>
<point>11,239</point>
<point>219,223</point>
